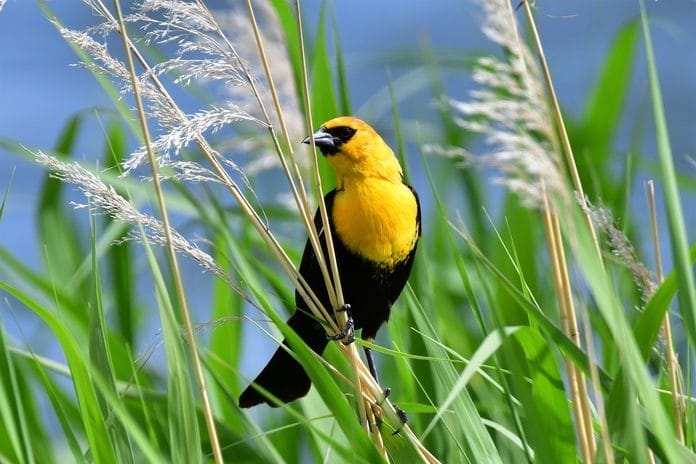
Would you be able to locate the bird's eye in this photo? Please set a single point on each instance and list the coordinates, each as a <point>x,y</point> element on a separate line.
<point>344,133</point>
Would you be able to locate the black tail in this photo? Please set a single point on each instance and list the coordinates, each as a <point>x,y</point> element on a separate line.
<point>283,376</point>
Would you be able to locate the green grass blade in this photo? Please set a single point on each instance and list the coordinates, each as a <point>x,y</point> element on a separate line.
<point>6,194</point>
<point>675,214</point>
<point>119,258</point>
<point>184,436</point>
<point>469,436</point>
<point>94,423</point>
<point>342,84</point>
<point>486,349</point>
<point>547,417</point>
<point>605,105</point>
<point>17,445</point>
<point>100,356</point>
<point>59,235</point>
<point>62,405</point>
<point>323,96</point>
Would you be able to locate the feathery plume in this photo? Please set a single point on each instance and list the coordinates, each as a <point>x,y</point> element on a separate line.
<point>510,110</point>
<point>201,53</point>
<point>621,247</point>
<point>236,25</point>
<point>103,198</point>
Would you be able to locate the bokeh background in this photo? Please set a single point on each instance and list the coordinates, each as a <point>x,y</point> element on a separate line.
<point>383,40</point>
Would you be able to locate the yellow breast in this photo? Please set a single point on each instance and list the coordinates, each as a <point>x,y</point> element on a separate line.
<point>376,219</point>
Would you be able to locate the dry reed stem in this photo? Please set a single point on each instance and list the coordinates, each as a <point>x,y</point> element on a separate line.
<point>298,281</point>
<point>572,167</point>
<point>374,428</point>
<point>574,334</point>
<point>563,133</point>
<point>337,295</point>
<point>555,253</point>
<point>597,391</point>
<point>672,364</point>
<point>293,177</point>
<point>171,253</point>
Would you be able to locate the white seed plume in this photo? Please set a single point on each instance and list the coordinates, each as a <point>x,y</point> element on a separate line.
<point>510,111</point>
<point>621,247</point>
<point>103,198</point>
<point>238,28</point>
<point>201,53</point>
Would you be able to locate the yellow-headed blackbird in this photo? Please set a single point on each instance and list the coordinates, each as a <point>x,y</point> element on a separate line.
<point>375,224</point>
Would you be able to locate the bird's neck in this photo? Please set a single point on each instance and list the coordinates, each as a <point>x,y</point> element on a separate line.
<point>387,170</point>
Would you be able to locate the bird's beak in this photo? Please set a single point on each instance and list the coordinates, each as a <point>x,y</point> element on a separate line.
<point>323,140</point>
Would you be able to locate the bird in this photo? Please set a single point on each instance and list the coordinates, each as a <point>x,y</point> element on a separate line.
<point>375,221</point>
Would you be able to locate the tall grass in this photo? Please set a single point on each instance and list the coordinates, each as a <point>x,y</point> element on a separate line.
<point>531,336</point>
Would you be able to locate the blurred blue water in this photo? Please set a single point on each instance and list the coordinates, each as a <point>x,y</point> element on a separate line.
<point>40,90</point>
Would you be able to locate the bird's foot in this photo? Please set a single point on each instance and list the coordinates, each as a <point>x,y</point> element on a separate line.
<point>347,333</point>
<point>403,417</point>
<point>386,392</point>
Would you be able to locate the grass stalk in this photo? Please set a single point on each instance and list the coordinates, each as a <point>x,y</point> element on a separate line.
<point>337,295</point>
<point>675,213</point>
<point>560,123</point>
<point>597,391</point>
<point>295,178</point>
<point>171,253</point>
<point>565,302</point>
<point>577,185</point>
<point>574,334</point>
<point>672,363</point>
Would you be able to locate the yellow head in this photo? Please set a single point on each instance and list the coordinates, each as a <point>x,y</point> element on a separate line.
<point>354,149</point>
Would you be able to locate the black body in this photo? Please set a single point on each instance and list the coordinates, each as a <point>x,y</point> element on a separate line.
<point>369,288</point>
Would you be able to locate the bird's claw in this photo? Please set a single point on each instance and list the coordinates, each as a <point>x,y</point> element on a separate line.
<point>402,416</point>
<point>344,308</point>
<point>385,393</point>
<point>347,333</point>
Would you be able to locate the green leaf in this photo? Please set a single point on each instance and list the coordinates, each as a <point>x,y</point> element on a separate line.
<point>100,357</point>
<point>17,445</point>
<point>94,423</point>
<point>547,418</point>
<point>675,214</point>
<point>606,102</point>
<point>58,233</point>
<point>465,420</point>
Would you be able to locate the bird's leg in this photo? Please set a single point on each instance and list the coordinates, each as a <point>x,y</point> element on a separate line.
<point>387,391</point>
<point>347,333</point>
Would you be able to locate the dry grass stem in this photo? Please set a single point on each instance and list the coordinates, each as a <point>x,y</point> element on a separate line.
<point>597,391</point>
<point>293,176</point>
<point>673,368</point>
<point>575,380</point>
<point>171,252</point>
<point>512,112</point>
<point>335,291</point>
